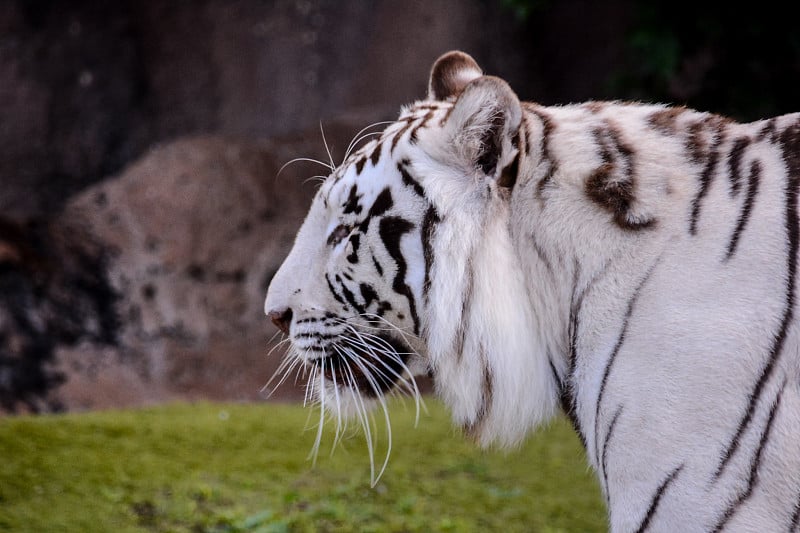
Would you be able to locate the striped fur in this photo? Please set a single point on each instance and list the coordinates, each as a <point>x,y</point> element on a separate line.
<point>634,264</point>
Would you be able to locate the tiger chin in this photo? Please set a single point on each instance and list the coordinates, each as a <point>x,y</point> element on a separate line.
<point>632,265</point>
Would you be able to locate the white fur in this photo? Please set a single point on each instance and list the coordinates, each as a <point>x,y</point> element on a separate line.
<point>689,330</point>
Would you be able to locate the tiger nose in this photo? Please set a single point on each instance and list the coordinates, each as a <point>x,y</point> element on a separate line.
<point>281,318</point>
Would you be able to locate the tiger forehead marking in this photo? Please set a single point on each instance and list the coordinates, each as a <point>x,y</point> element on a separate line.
<point>411,120</point>
<point>632,264</point>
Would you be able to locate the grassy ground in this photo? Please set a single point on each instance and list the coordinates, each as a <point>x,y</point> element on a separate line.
<point>243,468</point>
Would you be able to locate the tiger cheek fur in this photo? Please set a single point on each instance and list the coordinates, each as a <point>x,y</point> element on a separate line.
<point>634,265</point>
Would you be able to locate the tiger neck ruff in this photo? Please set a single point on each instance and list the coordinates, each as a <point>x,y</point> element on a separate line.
<point>633,265</point>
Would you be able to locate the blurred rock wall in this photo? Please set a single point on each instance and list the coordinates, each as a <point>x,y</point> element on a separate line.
<point>87,86</point>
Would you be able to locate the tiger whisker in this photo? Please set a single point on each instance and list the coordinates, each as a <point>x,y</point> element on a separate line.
<point>337,436</point>
<point>356,137</point>
<point>367,422</point>
<point>310,386</point>
<point>359,139</point>
<point>327,149</point>
<point>308,160</point>
<point>405,381</point>
<point>315,178</point>
<point>404,332</point>
<point>315,448</point>
<point>360,363</point>
<point>361,410</point>
<point>285,340</point>
<point>288,366</point>
<point>414,391</point>
<point>271,339</point>
<point>372,316</point>
<point>381,344</point>
<point>293,368</point>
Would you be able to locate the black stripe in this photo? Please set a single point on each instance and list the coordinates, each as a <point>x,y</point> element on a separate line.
<point>605,452</point>
<point>429,223</point>
<point>355,242</point>
<point>508,176</point>
<point>752,479</point>
<point>525,135</point>
<point>566,399</point>
<point>576,304</point>
<point>735,162</point>
<point>408,181</point>
<point>557,379</point>
<point>432,105</point>
<point>466,308</point>
<point>368,294</point>
<point>707,175</point>
<point>399,134</point>
<point>656,499</point>
<point>352,204</point>
<point>665,120</point>
<point>793,236</point>
<point>747,207</point>
<point>382,204</point>
<point>412,138</point>
<point>547,158</point>
<point>378,266</point>
<point>542,255</point>
<point>795,517</point>
<point>376,153</point>
<point>316,335</point>
<point>360,164</point>
<point>350,297</point>
<point>487,388</point>
<point>391,229</point>
<point>613,184</point>
<point>333,291</point>
<point>614,352</point>
<point>768,130</point>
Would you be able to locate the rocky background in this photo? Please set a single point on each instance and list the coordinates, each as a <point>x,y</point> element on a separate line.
<point>141,212</point>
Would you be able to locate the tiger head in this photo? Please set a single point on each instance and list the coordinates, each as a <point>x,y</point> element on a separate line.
<point>404,266</point>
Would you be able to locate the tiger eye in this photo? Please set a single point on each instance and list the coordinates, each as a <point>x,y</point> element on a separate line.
<point>340,232</point>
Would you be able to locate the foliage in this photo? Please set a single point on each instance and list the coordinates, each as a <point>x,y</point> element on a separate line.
<point>242,468</point>
<point>741,62</point>
<point>524,9</point>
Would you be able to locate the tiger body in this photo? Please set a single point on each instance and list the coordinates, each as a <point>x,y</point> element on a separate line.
<point>633,264</point>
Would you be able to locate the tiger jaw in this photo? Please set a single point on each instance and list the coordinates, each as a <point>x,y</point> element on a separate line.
<point>371,368</point>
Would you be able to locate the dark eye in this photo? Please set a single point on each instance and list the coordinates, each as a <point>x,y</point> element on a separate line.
<point>340,232</point>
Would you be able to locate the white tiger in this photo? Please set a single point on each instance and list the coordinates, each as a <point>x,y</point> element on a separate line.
<point>634,264</point>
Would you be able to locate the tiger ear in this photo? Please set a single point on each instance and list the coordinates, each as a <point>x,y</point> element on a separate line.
<point>450,74</point>
<point>483,127</point>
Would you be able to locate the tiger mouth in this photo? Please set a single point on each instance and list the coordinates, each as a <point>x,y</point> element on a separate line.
<point>372,370</point>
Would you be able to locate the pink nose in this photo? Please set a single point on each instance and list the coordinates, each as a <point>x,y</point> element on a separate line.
<point>282,319</point>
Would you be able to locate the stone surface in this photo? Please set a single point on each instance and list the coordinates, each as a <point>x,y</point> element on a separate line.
<point>194,230</point>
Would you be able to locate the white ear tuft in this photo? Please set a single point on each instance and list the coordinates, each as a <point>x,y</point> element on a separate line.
<point>484,124</point>
<point>450,74</point>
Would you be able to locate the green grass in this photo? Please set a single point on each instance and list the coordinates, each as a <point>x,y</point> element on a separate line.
<point>244,468</point>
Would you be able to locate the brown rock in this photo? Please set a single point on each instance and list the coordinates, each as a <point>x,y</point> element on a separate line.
<point>195,230</point>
